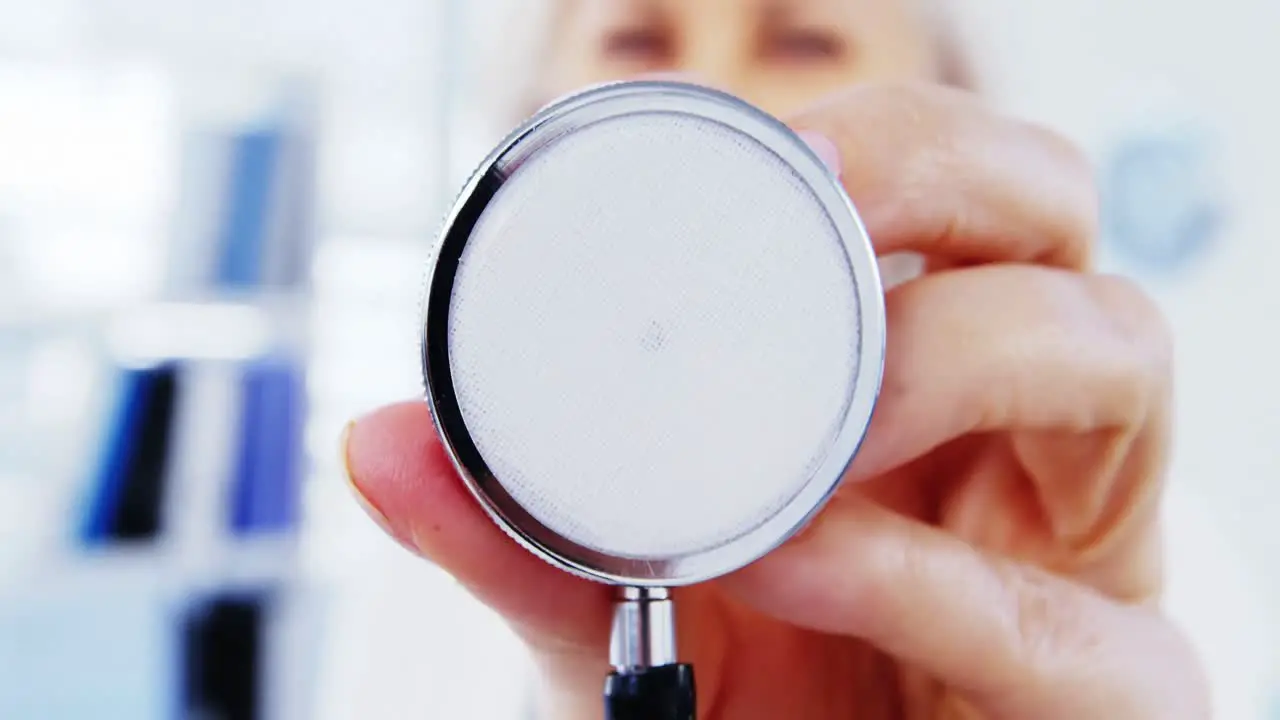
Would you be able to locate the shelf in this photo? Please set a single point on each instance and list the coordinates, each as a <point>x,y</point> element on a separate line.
<point>166,567</point>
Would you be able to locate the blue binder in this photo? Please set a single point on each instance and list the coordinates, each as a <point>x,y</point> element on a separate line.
<point>127,489</point>
<point>268,472</point>
<point>250,198</point>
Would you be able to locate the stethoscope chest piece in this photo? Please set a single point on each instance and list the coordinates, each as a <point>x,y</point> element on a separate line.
<point>653,339</point>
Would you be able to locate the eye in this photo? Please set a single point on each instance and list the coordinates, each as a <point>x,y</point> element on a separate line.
<point>804,44</point>
<point>638,43</point>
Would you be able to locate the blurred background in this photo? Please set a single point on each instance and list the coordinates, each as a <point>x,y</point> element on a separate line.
<point>214,219</point>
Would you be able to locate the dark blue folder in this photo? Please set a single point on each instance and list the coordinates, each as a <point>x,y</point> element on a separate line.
<point>268,470</point>
<point>128,485</point>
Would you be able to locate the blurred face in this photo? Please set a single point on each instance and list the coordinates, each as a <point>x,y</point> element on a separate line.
<point>778,54</point>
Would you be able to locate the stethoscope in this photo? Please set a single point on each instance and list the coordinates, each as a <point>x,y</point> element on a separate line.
<point>653,338</point>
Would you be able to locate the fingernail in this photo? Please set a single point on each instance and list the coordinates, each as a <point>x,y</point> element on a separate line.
<point>900,267</point>
<point>826,150</point>
<point>344,457</point>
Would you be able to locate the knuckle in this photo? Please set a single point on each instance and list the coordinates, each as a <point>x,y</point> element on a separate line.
<point>1035,627</point>
<point>1137,312</point>
<point>1072,158</point>
<point>1049,625</point>
<point>1074,184</point>
<point>916,95</point>
<point>884,564</point>
<point>1140,338</point>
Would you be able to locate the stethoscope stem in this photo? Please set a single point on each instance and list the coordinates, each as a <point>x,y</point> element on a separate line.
<point>644,630</point>
<point>648,682</point>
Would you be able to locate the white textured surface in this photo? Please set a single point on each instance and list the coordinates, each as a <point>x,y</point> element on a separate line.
<point>653,335</point>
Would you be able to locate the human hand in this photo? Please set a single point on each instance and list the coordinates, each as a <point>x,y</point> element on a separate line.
<point>994,551</point>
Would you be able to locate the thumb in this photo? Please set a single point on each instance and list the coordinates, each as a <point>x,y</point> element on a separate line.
<point>403,477</point>
<point>1012,640</point>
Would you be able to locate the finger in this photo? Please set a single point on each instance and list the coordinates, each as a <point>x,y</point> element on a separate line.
<point>402,475</point>
<point>1013,640</point>
<point>1075,364</point>
<point>1074,352</point>
<point>931,170</point>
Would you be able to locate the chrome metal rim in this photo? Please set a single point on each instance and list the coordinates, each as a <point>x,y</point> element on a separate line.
<point>565,116</point>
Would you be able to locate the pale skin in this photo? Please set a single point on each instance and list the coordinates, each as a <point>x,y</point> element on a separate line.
<point>994,552</point>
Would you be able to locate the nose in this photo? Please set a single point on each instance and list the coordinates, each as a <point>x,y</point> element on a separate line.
<point>673,76</point>
<point>715,62</point>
